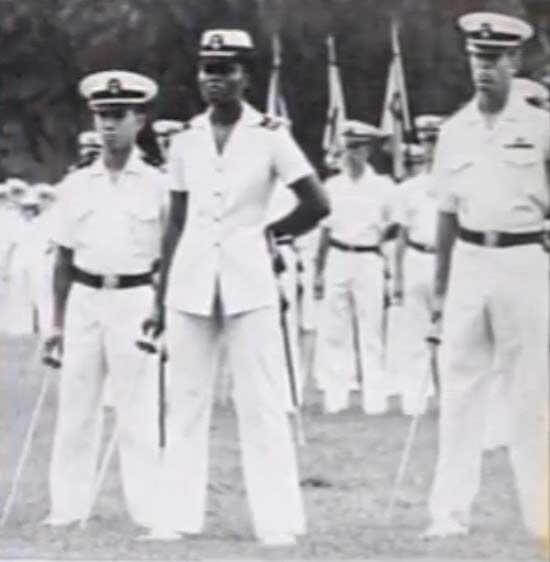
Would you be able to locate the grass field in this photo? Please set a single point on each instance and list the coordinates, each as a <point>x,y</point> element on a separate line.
<point>347,468</point>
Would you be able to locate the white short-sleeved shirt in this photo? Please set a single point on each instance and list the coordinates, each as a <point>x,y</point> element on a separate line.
<point>495,179</point>
<point>418,208</point>
<point>223,245</point>
<point>113,228</point>
<point>360,209</point>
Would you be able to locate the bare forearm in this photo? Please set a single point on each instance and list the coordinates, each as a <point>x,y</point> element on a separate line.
<point>322,251</point>
<point>312,206</point>
<point>62,281</point>
<point>169,244</point>
<point>172,234</point>
<point>447,228</point>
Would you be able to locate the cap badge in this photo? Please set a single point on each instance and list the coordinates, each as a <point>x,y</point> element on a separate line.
<point>486,31</point>
<point>114,87</point>
<point>216,42</point>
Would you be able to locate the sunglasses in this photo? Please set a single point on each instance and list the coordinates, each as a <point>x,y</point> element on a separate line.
<point>117,113</point>
<point>223,68</point>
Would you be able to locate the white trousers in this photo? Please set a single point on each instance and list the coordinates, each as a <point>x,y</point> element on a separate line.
<point>289,284</point>
<point>101,327</point>
<point>268,457</point>
<point>354,286</point>
<point>496,313</point>
<point>414,362</point>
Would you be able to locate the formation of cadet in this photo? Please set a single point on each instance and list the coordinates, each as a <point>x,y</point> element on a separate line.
<point>468,266</point>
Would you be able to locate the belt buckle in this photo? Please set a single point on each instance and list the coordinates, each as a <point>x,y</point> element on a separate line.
<point>490,238</point>
<point>110,281</point>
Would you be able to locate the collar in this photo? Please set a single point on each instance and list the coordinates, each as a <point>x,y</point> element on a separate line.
<point>250,117</point>
<point>133,165</point>
<point>512,110</point>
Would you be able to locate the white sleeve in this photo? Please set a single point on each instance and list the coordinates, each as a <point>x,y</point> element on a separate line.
<point>447,199</point>
<point>175,165</point>
<point>63,230</point>
<point>289,161</point>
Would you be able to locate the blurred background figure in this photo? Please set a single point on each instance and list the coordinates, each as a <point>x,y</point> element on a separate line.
<point>306,248</point>
<point>414,266</point>
<point>38,252</point>
<point>18,306</point>
<point>350,277</point>
<point>16,191</point>
<point>89,148</point>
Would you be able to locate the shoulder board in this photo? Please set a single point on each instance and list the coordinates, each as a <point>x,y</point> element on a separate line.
<point>271,123</point>
<point>152,160</point>
<point>186,125</point>
<point>88,160</point>
<point>331,173</point>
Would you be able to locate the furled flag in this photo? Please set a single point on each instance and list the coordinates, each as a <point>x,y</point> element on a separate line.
<point>396,119</point>
<point>276,105</point>
<point>336,115</point>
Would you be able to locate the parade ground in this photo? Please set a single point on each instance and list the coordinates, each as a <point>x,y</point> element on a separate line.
<point>347,467</point>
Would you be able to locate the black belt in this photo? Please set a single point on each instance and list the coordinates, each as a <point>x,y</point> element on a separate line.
<point>353,248</point>
<point>421,247</point>
<point>496,239</point>
<point>110,281</point>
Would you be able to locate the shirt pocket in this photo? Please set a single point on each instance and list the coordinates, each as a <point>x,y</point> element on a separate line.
<point>145,229</point>
<point>520,159</point>
<point>524,172</point>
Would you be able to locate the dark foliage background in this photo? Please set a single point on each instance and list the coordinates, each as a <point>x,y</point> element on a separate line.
<point>46,46</point>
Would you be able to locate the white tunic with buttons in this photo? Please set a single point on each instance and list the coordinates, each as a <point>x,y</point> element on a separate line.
<point>223,252</point>
<point>229,194</point>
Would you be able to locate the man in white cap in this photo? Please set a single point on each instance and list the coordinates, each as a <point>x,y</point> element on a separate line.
<point>493,198</point>
<point>225,166</point>
<point>350,276</point>
<point>108,233</point>
<point>414,266</point>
